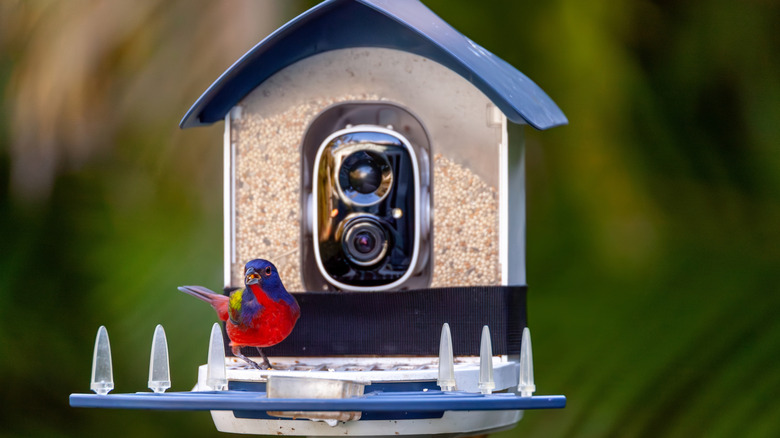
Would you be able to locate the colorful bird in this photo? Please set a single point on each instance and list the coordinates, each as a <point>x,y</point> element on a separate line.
<point>260,315</point>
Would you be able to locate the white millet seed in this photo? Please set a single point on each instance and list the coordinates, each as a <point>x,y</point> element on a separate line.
<point>267,200</point>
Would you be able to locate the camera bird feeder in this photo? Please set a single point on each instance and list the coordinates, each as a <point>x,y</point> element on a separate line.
<point>366,155</point>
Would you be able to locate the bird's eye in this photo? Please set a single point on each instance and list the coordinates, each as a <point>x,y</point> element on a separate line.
<point>267,271</point>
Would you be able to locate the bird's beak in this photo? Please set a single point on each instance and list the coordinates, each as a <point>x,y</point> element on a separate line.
<point>251,276</point>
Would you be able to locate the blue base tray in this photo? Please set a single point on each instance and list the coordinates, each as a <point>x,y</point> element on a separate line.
<point>412,401</point>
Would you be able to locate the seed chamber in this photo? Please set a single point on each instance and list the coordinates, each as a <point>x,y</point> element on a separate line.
<point>463,161</point>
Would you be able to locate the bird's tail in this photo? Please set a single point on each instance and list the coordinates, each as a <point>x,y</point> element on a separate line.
<point>218,301</point>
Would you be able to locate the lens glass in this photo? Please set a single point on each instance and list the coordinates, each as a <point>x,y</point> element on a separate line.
<point>365,177</point>
<point>364,241</point>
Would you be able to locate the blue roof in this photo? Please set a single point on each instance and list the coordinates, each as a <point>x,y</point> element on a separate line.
<point>395,24</point>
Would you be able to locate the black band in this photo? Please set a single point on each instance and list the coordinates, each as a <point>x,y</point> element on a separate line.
<point>405,323</point>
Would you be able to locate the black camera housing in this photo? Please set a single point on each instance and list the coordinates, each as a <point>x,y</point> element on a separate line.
<point>366,200</point>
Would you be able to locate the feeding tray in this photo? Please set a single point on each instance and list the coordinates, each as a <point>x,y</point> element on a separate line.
<point>313,388</point>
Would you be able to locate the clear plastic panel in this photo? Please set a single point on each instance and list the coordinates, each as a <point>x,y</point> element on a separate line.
<point>466,162</point>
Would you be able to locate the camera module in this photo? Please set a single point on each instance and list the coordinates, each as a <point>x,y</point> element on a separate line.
<point>366,180</point>
<point>364,241</point>
<point>364,175</point>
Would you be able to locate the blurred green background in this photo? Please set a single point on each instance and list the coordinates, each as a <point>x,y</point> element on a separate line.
<point>653,218</point>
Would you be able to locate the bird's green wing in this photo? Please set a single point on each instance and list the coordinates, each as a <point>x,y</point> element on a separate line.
<point>234,306</point>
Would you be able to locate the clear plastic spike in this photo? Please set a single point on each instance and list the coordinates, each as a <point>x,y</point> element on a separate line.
<point>526,385</point>
<point>446,361</point>
<point>486,382</point>
<point>159,367</point>
<point>216,375</point>
<point>102,371</point>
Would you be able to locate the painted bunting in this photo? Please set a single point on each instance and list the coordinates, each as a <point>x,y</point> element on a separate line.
<point>260,315</point>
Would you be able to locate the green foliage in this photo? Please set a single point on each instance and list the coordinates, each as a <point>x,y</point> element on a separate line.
<point>653,217</point>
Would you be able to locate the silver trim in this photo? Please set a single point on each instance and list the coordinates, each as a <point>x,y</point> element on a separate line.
<point>503,202</point>
<point>229,195</point>
<point>227,162</point>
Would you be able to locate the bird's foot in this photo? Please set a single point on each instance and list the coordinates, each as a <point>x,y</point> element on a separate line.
<point>253,364</point>
<point>266,362</point>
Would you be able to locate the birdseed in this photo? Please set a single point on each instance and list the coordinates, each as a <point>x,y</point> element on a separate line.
<point>465,227</point>
<point>268,213</point>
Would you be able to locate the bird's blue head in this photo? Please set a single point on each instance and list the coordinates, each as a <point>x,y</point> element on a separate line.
<point>263,273</point>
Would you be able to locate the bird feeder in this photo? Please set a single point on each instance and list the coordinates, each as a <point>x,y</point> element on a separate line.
<point>369,72</point>
<point>366,155</point>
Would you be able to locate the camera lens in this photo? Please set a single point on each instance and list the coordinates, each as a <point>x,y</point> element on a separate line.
<point>365,177</point>
<point>364,241</point>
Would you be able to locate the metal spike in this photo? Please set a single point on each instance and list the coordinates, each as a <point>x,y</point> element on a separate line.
<point>102,371</point>
<point>526,385</point>
<point>159,366</point>
<point>216,374</point>
<point>446,361</point>
<point>486,383</point>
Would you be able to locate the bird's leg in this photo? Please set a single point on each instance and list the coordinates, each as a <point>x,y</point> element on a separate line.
<point>237,352</point>
<point>266,362</point>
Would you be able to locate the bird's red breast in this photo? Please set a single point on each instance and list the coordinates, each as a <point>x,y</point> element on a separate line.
<point>269,326</point>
